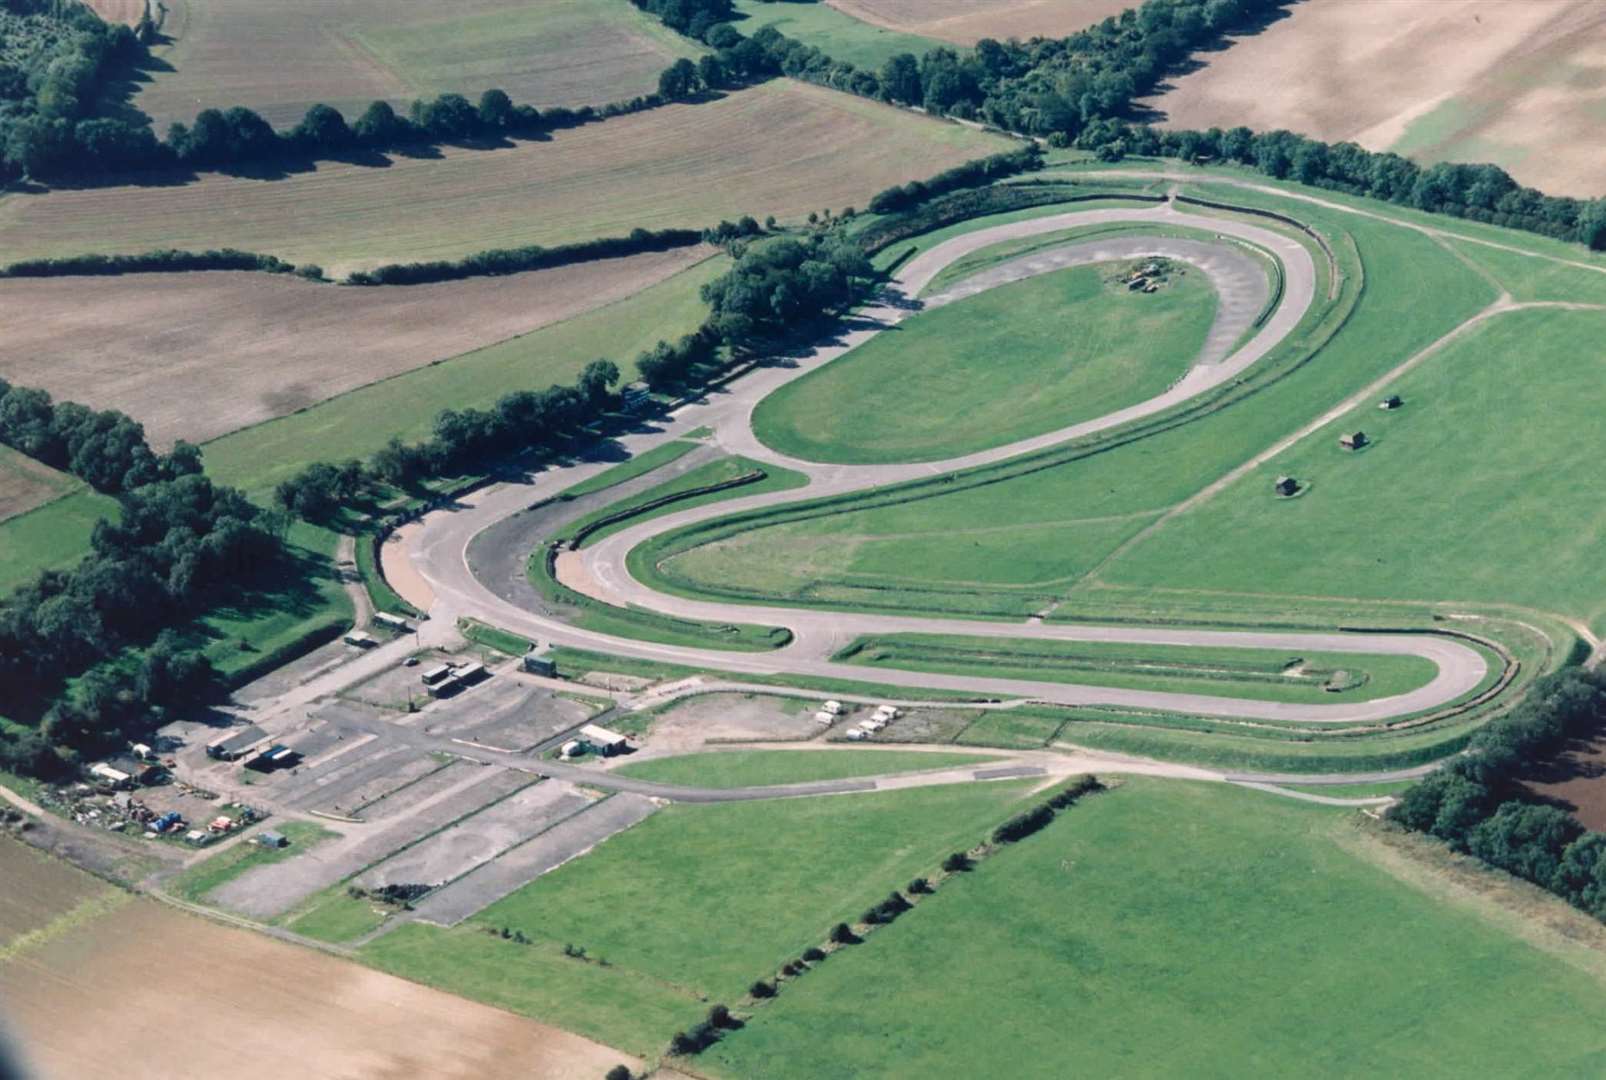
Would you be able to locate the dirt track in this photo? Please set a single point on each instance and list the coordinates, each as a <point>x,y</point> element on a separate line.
<point>195,356</point>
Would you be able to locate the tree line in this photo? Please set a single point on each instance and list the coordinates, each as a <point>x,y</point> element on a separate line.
<point>775,285</point>
<point>1478,805</point>
<point>1079,90</point>
<point>106,449</point>
<point>69,640</point>
<point>501,261</point>
<point>978,172</point>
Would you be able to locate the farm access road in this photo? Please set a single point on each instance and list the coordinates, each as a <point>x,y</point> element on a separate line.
<point>441,547</point>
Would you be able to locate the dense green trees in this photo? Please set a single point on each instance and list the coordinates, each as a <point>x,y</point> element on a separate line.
<point>977,173</point>
<point>106,449</point>
<point>1477,803</point>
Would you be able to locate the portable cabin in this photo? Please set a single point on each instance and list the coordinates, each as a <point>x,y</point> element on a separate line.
<point>572,748</point>
<point>1354,440</point>
<point>469,673</point>
<point>273,840</point>
<point>395,622</point>
<point>362,639</point>
<point>607,743</point>
<point>832,707</point>
<point>117,778</point>
<point>1390,403</point>
<point>239,744</point>
<point>540,665</point>
<point>1285,486</point>
<point>436,674</point>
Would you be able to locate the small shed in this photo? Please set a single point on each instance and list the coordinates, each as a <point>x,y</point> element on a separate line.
<point>1354,440</point>
<point>572,748</point>
<point>1285,486</point>
<point>540,665</point>
<point>273,840</point>
<point>471,672</point>
<point>1390,403</point>
<point>362,639</point>
<point>117,778</point>
<point>832,707</point>
<point>237,745</point>
<point>607,742</point>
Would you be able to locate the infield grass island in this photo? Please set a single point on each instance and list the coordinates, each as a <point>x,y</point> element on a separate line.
<point>1170,928</point>
<point>1012,362</point>
<point>762,768</point>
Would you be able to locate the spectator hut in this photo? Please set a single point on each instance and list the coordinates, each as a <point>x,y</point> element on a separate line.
<point>1354,440</point>
<point>1286,486</point>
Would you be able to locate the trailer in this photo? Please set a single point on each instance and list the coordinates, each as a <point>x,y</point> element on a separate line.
<point>395,622</point>
<point>436,674</point>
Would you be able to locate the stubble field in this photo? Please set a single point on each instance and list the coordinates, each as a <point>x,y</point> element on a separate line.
<point>1521,83</point>
<point>781,148</point>
<point>964,22</point>
<point>25,483</point>
<point>196,356</point>
<point>281,58</point>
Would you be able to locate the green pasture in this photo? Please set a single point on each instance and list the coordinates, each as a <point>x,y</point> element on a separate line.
<point>50,537</point>
<point>1260,674</point>
<point>1374,789</point>
<point>839,36</point>
<point>493,637</point>
<point>1008,546</point>
<point>208,874</point>
<point>360,422</point>
<point>1473,491</point>
<point>692,905</point>
<point>1010,363</point>
<point>335,916</point>
<point>762,768</point>
<point>1168,928</point>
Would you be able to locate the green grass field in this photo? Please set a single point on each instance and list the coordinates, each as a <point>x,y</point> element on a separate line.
<point>360,422</point>
<point>1023,359</point>
<point>1261,674</point>
<point>756,768</point>
<point>1015,546</point>
<point>194,883</point>
<point>839,36</point>
<point>718,471</point>
<point>1178,929</point>
<point>631,468</point>
<point>1489,428</point>
<point>335,916</point>
<point>696,900</point>
<point>53,536</point>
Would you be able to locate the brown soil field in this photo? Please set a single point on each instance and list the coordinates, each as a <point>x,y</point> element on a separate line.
<point>1576,781</point>
<point>118,11</point>
<point>38,889</point>
<point>195,356</point>
<point>164,994</point>
<point>25,483</point>
<point>965,22</point>
<point>282,57</point>
<point>781,148</point>
<point>1521,83</point>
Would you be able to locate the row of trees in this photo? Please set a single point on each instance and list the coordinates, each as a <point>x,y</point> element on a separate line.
<point>105,449</point>
<point>178,546</point>
<point>502,261</point>
<point>1477,803</point>
<point>976,173</point>
<point>1479,192</point>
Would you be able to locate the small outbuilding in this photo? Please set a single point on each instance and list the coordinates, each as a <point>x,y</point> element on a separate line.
<point>273,840</point>
<point>1286,486</point>
<point>1354,440</point>
<point>1390,403</point>
<point>607,743</point>
<point>540,665</point>
<point>832,707</point>
<point>362,639</point>
<point>237,745</point>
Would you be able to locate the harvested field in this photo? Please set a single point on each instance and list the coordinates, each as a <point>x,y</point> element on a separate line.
<point>965,22</point>
<point>118,11</point>
<point>248,347</point>
<point>39,889</point>
<point>1576,781</point>
<point>116,976</point>
<point>1521,83</point>
<point>282,57</point>
<point>25,483</point>
<point>782,148</point>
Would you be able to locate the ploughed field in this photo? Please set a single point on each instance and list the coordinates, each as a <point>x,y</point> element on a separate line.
<point>195,356</point>
<point>964,22</point>
<point>781,148</point>
<point>26,483</point>
<point>1521,83</point>
<point>283,57</point>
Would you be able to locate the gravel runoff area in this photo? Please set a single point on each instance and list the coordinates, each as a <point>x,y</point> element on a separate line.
<point>439,549</point>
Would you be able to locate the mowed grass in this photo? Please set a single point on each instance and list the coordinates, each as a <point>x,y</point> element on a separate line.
<point>1473,491</point>
<point>1179,929</point>
<point>50,537</point>
<point>358,423</point>
<point>719,471</point>
<point>839,36</point>
<point>1261,674</point>
<point>761,768</point>
<point>281,58</point>
<point>781,148</point>
<point>195,882</point>
<point>692,905</point>
<point>1045,530</point>
<point>26,483</point>
<point>1004,365</point>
